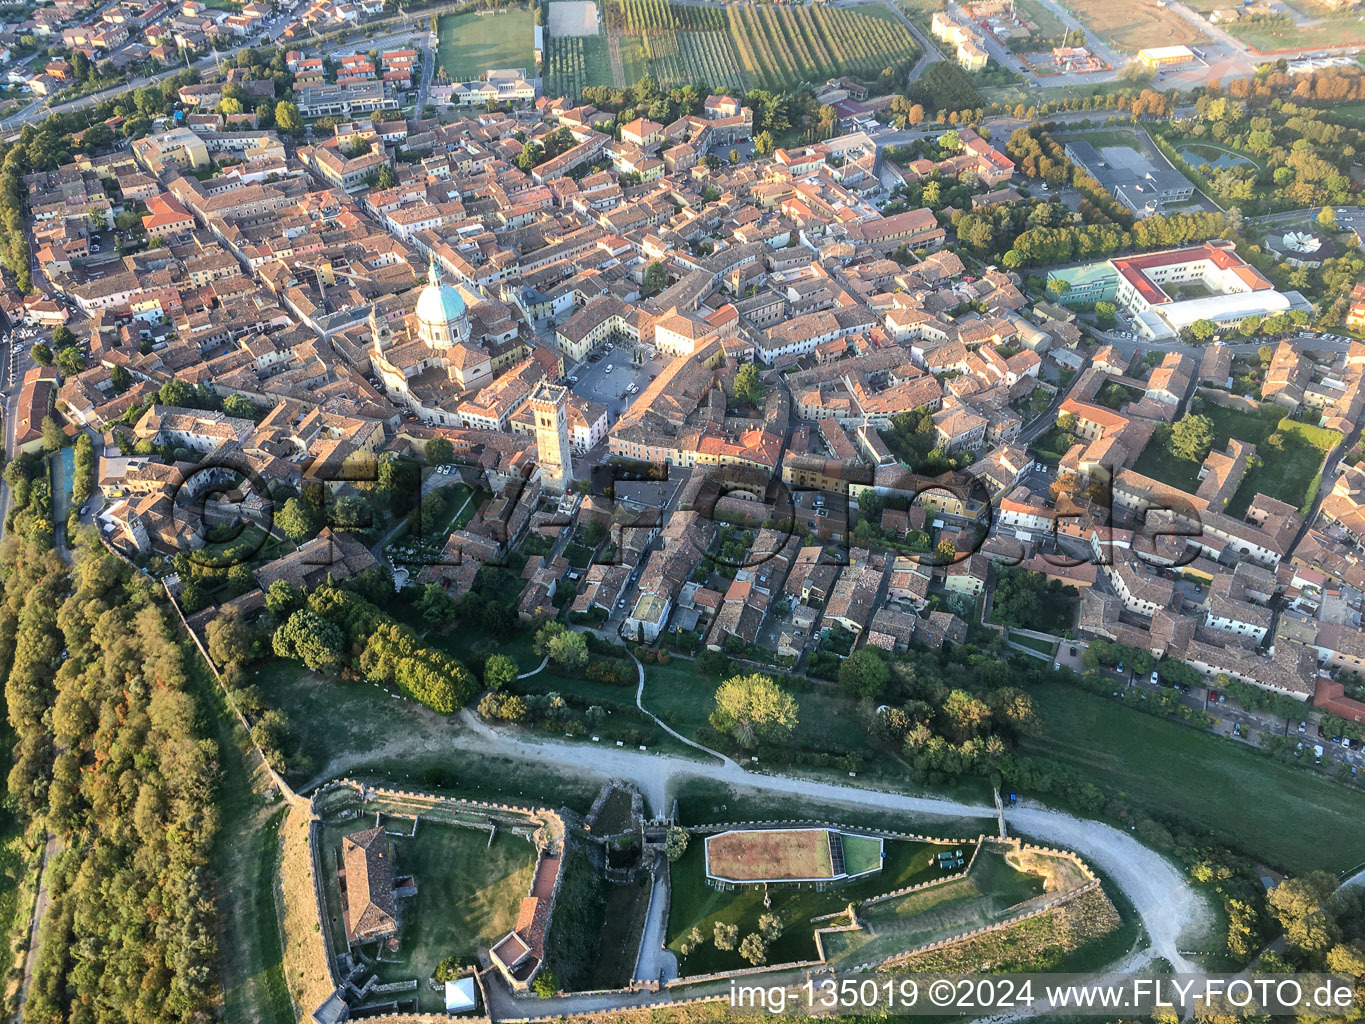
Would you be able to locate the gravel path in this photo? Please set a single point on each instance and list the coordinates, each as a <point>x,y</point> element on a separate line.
<point>1165,902</point>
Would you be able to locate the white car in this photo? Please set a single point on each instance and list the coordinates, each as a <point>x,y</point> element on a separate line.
<point>610,368</point>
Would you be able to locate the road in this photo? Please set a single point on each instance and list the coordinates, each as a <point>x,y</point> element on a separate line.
<point>1164,901</point>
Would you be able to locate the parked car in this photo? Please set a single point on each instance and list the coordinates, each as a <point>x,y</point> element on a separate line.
<point>1156,677</point>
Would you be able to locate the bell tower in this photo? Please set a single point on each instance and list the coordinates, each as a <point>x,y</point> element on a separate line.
<point>550,406</point>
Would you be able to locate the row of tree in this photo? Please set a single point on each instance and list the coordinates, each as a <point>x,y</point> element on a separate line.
<point>110,758</point>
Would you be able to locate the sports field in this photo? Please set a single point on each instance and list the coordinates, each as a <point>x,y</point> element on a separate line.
<point>769,855</point>
<point>470,44</point>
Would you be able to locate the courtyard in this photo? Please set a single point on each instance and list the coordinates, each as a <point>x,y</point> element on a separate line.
<point>468,896</point>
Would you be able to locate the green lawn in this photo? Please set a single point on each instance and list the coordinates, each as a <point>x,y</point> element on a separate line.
<point>827,720</point>
<point>1287,473</point>
<point>861,853</point>
<point>468,895</point>
<point>1291,818</point>
<point>1338,30</point>
<point>471,44</point>
<point>940,912</point>
<point>391,739</point>
<point>1034,644</point>
<point>696,904</point>
<point>246,861</point>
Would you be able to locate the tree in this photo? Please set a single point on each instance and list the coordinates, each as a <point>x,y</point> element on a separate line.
<point>1327,218</point>
<point>54,440</point>
<point>436,605</point>
<point>1301,907</point>
<point>62,337</point>
<point>569,650</point>
<point>287,117</point>
<point>42,353</point>
<point>945,551</point>
<point>1191,437</point>
<point>764,143</point>
<point>675,843</point>
<point>726,935</point>
<point>1203,330</point>
<point>656,277</point>
<point>120,377</point>
<point>242,408</point>
<point>282,597</point>
<point>753,707</point>
<point>691,943</point>
<point>754,949</point>
<point>546,983</point>
<point>498,671</point>
<point>311,639</point>
<point>1104,312</point>
<point>297,521</point>
<point>864,673</point>
<point>770,927</point>
<point>438,452</point>
<point>239,579</point>
<point>749,390</point>
<point>386,179</point>
<point>70,361</point>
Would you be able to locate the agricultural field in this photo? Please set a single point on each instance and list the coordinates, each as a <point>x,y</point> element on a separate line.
<point>572,63</point>
<point>469,44</point>
<point>735,49</point>
<point>1132,27</point>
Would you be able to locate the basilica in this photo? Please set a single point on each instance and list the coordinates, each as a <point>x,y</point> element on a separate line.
<point>453,343</point>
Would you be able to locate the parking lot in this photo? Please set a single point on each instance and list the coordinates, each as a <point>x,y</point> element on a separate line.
<point>607,381</point>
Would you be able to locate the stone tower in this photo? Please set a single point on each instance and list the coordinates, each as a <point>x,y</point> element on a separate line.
<point>550,406</point>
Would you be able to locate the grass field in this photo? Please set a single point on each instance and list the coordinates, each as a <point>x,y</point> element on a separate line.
<point>470,44</point>
<point>1131,27</point>
<point>468,895</point>
<point>1290,818</point>
<point>246,861</point>
<point>982,898</point>
<point>1286,473</point>
<point>1328,30</point>
<point>861,854</point>
<point>387,738</point>
<point>696,904</point>
<point>770,854</point>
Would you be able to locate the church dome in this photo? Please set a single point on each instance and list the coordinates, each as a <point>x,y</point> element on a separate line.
<point>439,303</point>
<point>442,321</point>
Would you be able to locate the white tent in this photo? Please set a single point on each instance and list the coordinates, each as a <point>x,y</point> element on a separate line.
<point>461,995</point>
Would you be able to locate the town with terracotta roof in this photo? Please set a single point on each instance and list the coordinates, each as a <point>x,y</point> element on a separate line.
<point>608,507</point>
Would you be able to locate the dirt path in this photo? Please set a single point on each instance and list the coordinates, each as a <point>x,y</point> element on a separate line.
<point>639,703</point>
<point>53,847</point>
<point>1164,901</point>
